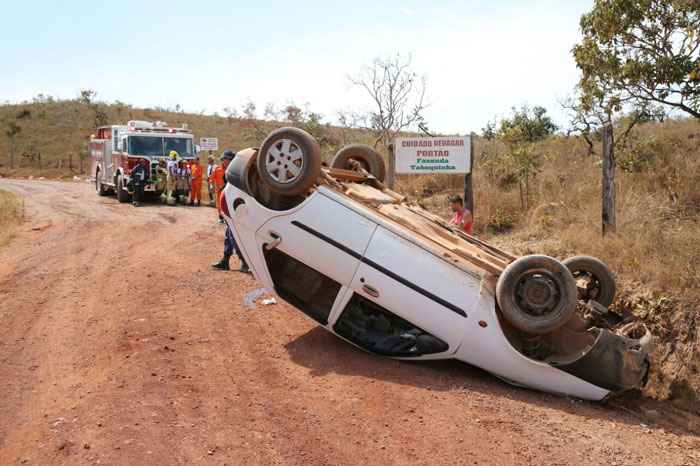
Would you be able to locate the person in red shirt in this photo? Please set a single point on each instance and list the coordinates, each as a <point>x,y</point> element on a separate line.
<point>462,217</point>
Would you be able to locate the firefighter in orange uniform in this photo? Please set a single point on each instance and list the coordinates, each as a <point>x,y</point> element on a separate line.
<point>196,186</point>
<point>219,179</point>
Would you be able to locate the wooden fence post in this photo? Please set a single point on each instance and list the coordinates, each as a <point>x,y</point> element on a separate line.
<point>468,183</point>
<point>608,180</point>
<point>390,176</point>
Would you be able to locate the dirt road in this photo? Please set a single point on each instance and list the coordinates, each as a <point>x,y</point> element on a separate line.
<point>119,345</point>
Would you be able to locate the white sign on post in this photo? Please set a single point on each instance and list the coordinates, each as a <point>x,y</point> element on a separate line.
<point>208,143</point>
<point>449,154</point>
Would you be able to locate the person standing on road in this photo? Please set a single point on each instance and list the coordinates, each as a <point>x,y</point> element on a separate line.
<point>230,245</point>
<point>161,179</point>
<point>462,218</point>
<point>211,166</point>
<point>183,182</point>
<point>139,177</point>
<point>171,178</point>
<point>218,177</point>
<point>196,186</point>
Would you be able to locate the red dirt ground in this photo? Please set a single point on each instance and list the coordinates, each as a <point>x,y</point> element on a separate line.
<point>120,346</point>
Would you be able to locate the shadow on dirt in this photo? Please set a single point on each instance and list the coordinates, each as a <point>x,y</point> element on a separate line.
<point>324,353</point>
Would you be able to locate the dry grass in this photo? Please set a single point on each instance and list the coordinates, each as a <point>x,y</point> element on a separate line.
<point>11,215</point>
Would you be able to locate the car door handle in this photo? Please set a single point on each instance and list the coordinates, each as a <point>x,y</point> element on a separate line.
<point>276,240</point>
<point>370,290</point>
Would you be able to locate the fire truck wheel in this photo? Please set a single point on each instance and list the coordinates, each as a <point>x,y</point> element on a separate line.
<point>289,161</point>
<point>367,157</point>
<point>122,193</point>
<point>99,187</point>
<point>536,294</point>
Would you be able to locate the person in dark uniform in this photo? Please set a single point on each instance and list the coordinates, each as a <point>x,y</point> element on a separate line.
<point>139,178</point>
<point>230,245</point>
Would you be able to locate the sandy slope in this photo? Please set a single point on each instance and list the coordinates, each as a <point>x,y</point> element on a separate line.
<point>119,345</point>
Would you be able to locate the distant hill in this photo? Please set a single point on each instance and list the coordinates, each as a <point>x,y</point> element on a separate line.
<point>50,135</point>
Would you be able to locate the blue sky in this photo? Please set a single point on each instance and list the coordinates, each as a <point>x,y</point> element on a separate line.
<point>479,57</point>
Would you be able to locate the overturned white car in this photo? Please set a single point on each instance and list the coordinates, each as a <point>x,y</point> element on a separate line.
<point>393,279</point>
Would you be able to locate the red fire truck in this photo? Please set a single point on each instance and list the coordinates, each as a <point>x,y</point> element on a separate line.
<point>116,149</point>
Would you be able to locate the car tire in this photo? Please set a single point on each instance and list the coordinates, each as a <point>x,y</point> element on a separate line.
<point>99,187</point>
<point>600,286</point>
<point>289,161</point>
<point>536,294</point>
<point>370,160</point>
<point>122,194</point>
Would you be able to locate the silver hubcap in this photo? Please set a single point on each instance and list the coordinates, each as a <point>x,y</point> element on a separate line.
<point>285,161</point>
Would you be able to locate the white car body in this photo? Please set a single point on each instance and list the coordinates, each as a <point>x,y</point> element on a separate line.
<point>371,256</point>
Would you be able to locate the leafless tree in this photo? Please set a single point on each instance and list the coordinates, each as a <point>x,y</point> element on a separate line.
<point>398,96</point>
<point>397,93</point>
<point>249,110</point>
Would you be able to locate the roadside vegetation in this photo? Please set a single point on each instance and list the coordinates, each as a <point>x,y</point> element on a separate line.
<point>11,215</point>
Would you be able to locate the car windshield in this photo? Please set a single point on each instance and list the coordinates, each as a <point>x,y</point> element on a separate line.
<point>158,146</point>
<point>183,146</point>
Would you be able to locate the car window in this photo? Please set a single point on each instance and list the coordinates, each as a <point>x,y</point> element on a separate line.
<point>375,329</point>
<point>300,285</point>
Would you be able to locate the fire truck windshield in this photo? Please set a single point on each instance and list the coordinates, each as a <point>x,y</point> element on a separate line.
<point>183,146</point>
<point>158,146</point>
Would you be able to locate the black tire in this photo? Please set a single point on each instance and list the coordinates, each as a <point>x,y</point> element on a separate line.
<point>122,194</point>
<point>365,155</point>
<point>594,279</point>
<point>289,161</point>
<point>99,187</point>
<point>536,294</point>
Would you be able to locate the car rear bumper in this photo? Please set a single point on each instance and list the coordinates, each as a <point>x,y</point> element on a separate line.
<point>613,362</point>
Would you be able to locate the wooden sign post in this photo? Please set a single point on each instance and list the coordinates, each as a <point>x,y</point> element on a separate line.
<point>608,180</point>
<point>468,183</point>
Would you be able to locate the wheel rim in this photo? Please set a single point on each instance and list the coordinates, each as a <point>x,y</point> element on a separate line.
<point>284,161</point>
<point>365,166</point>
<point>588,285</point>
<point>537,293</point>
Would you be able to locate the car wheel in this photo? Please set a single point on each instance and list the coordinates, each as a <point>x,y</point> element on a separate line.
<point>536,294</point>
<point>289,161</point>
<point>594,279</point>
<point>367,157</point>
<point>122,193</point>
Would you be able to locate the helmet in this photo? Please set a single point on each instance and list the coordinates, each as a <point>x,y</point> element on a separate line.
<point>227,155</point>
<point>173,155</point>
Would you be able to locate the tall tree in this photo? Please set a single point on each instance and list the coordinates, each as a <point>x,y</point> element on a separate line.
<point>643,51</point>
<point>520,133</point>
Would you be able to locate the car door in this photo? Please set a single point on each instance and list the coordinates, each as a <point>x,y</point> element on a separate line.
<point>407,281</point>
<point>312,253</point>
